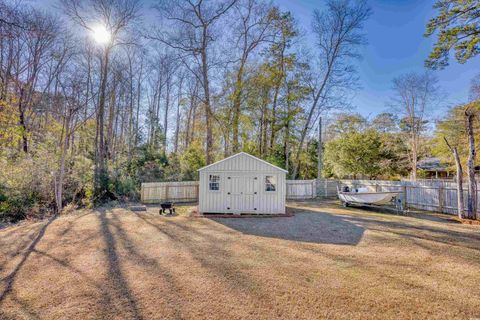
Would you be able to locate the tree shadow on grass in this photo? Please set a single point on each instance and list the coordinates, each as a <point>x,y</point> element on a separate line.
<point>467,239</point>
<point>152,265</point>
<point>208,250</point>
<point>116,237</point>
<point>312,227</point>
<point>115,297</point>
<point>116,276</point>
<point>10,279</point>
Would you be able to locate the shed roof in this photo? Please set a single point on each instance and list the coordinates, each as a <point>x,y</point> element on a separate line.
<point>222,164</point>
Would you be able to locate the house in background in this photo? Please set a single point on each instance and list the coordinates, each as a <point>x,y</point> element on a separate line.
<point>433,168</point>
<point>240,184</point>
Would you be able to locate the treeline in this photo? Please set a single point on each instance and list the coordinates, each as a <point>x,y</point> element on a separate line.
<point>98,96</point>
<point>390,144</point>
<point>381,147</point>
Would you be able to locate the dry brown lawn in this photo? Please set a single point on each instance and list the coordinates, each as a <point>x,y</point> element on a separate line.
<point>325,262</point>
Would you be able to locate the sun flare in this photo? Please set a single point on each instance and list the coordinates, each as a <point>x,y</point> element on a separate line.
<point>100,34</point>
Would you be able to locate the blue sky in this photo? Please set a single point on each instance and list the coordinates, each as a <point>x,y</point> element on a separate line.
<point>395,45</point>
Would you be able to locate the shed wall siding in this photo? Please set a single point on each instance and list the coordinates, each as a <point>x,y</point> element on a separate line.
<point>242,168</point>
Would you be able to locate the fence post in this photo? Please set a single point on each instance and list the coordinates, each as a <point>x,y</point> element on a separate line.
<point>314,189</point>
<point>441,199</point>
<point>166,192</point>
<point>141,193</point>
<point>405,202</point>
<point>376,187</point>
<point>197,191</point>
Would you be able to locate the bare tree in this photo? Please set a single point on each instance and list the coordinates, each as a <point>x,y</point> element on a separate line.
<point>195,23</point>
<point>169,68</point>
<point>71,89</point>
<point>28,56</point>
<point>415,95</point>
<point>114,16</point>
<point>192,111</point>
<point>253,27</point>
<point>474,93</point>
<point>338,32</point>
<point>134,56</point>
<point>281,62</point>
<point>178,118</point>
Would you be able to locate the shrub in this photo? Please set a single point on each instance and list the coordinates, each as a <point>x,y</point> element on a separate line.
<point>27,184</point>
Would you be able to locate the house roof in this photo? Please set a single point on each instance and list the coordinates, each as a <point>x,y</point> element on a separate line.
<point>243,154</point>
<point>431,164</point>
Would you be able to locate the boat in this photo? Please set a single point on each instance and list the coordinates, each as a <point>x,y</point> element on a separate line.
<point>364,197</point>
<point>378,198</point>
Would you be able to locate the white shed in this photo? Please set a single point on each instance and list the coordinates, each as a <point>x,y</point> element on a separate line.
<point>242,183</point>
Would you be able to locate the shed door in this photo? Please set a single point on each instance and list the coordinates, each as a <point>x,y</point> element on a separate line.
<point>242,193</point>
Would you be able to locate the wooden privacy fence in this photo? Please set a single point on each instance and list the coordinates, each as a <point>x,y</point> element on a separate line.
<point>155,192</point>
<point>187,191</point>
<point>326,188</point>
<point>301,189</point>
<point>429,195</point>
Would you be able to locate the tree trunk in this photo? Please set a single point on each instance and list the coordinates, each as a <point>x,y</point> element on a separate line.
<point>194,121</point>
<point>237,99</point>
<point>260,134</point>
<point>156,107</point>
<point>137,116</point>
<point>101,173</point>
<point>61,171</point>
<point>165,119</point>
<point>177,127</point>
<point>22,122</point>
<point>286,145</point>
<point>112,115</point>
<point>190,116</point>
<point>307,124</point>
<point>414,158</point>
<point>472,183</point>
<point>208,109</point>
<point>331,62</point>
<point>320,149</point>
<point>278,85</point>
<point>263,131</point>
<point>130,116</point>
<point>459,178</point>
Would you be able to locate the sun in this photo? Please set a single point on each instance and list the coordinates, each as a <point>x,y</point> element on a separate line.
<point>100,34</point>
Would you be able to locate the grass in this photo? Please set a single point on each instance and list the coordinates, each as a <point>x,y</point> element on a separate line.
<point>325,262</point>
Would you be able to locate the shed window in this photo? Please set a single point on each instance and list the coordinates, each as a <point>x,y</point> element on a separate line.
<point>214,182</point>
<point>270,183</point>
